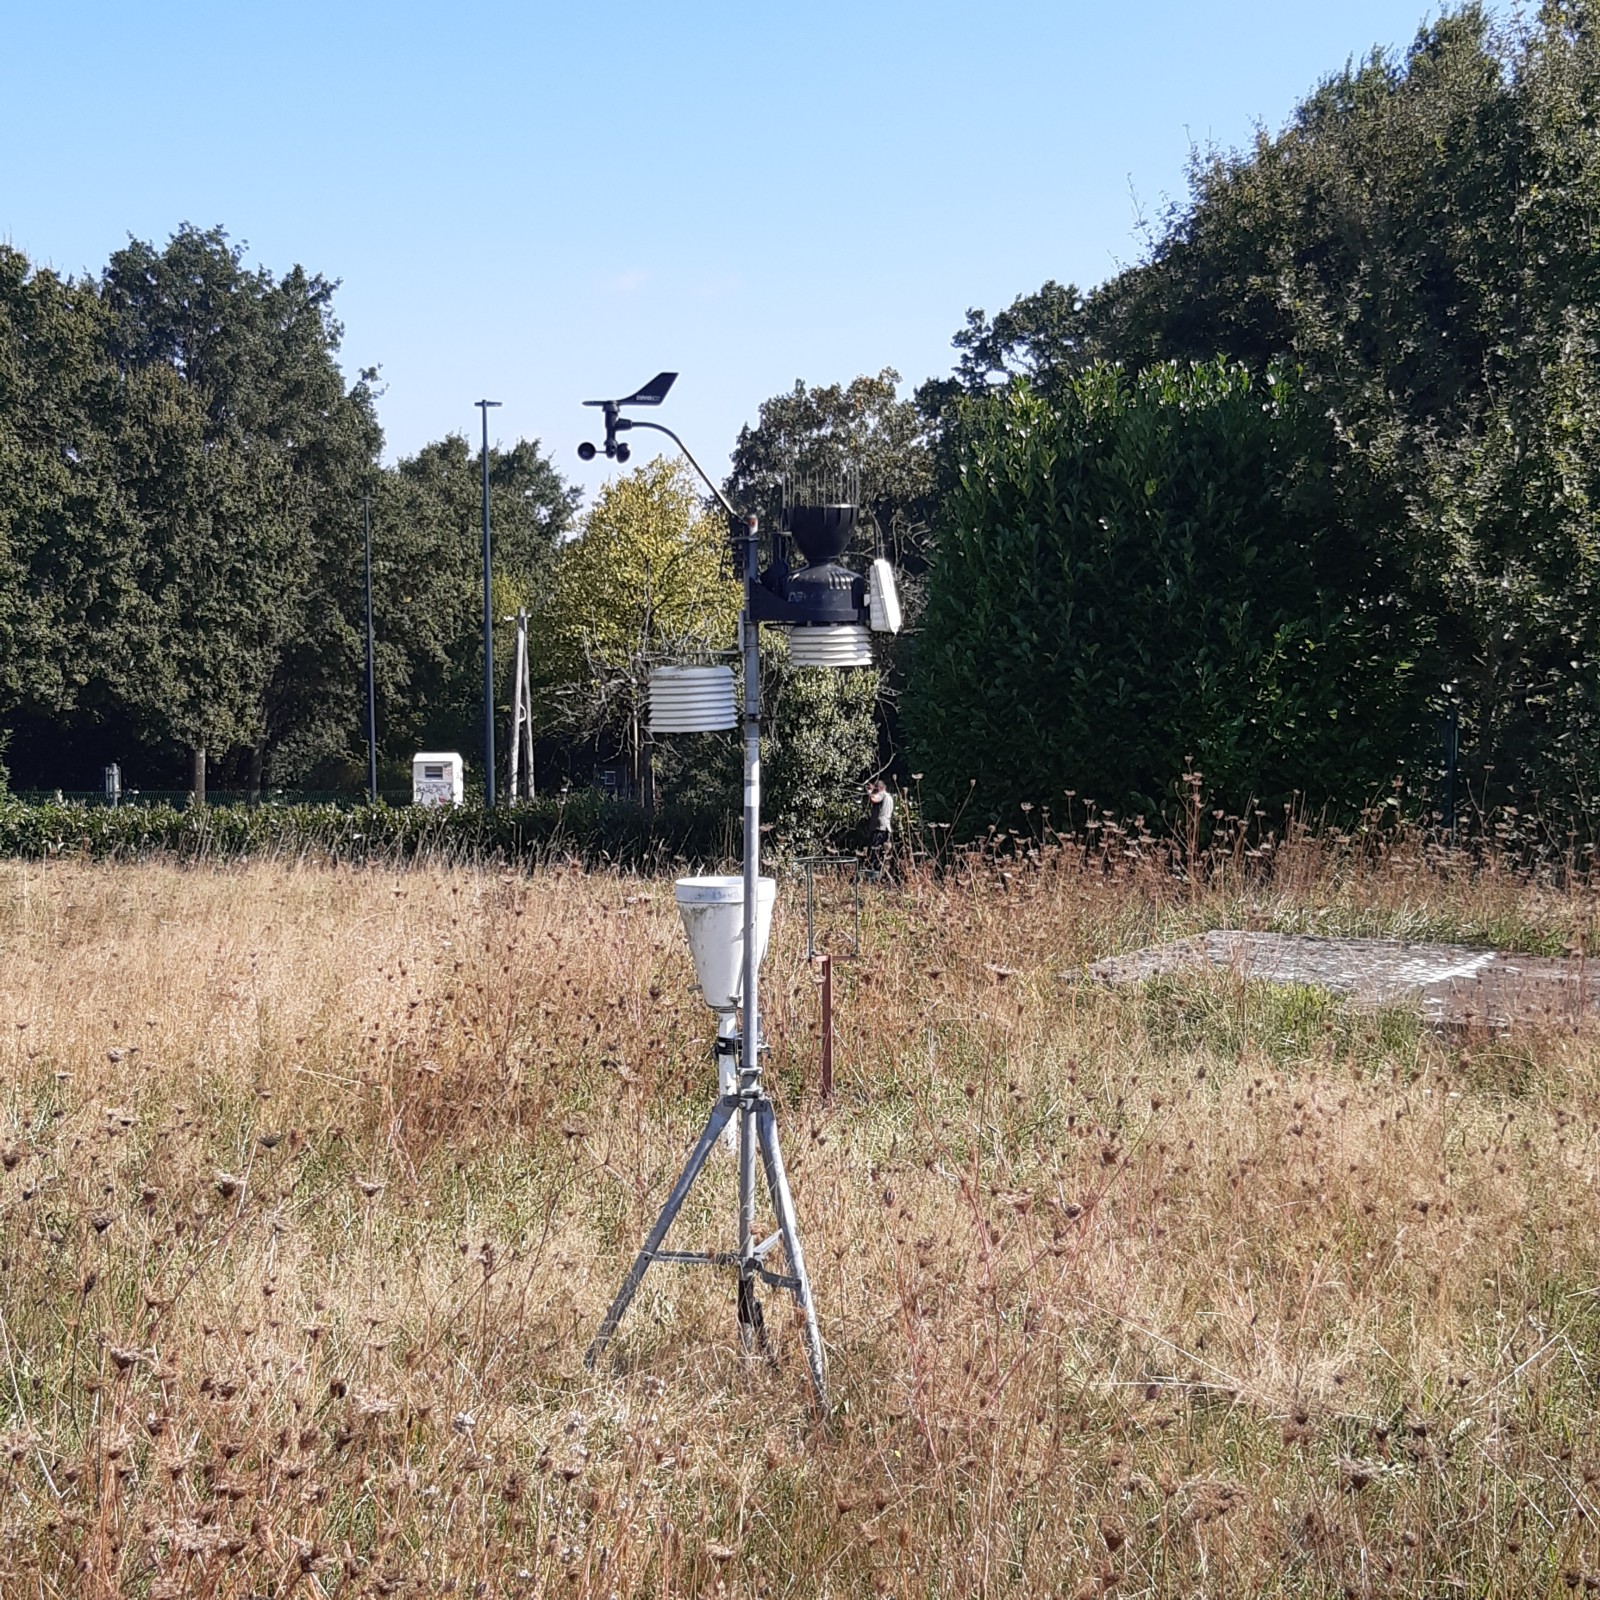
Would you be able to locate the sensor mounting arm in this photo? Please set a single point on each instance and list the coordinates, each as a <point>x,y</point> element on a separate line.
<point>722,499</point>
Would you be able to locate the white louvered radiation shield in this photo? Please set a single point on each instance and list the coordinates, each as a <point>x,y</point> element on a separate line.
<point>692,700</point>
<point>844,644</point>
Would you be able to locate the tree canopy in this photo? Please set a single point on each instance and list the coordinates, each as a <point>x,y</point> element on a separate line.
<point>249,466</point>
<point>1418,245</point>
<point>647,579</point>
<point>861,432</point>
<point>182,471</point>
<point>1317,473</point>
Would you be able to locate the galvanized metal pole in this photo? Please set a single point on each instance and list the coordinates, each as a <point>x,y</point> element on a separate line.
<point>513,792</point>
<point>750,1037</point>
<point>1452,742</point>
<point>488,624</point>
<point>372,693</point>
<point>757,1124</point>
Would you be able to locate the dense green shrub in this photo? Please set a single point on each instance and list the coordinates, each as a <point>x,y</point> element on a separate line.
<point>823,747</point>
<point>1146,571</point>
<point>1418,239</point>
<point>819,745</point>
<point>585,826</point>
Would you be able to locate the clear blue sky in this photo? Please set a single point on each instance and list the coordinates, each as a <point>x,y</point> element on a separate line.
<point>543,203</point>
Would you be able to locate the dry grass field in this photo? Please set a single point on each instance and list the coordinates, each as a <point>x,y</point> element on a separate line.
<point>316,1182</point>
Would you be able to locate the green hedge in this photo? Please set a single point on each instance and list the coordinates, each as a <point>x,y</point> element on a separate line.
<point>1144,570</point>
<point>584,826</point>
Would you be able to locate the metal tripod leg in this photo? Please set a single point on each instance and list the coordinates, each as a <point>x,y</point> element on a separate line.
<point>752,1327</point>
<point>720,1113</point>
<point>783,1209</point>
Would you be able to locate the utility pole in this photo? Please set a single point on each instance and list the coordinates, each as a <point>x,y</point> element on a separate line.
<point>372,693</point>
<point>488,624</point>
<point>521,713</point>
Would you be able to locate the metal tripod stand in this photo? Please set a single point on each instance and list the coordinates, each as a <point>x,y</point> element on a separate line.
<point>758,1133</point>
<point>758,1129</point>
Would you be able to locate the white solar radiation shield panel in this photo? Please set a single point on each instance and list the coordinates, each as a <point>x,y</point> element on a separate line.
<point>882,598</point>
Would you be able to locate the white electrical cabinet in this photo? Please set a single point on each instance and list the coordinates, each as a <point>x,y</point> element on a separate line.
<point>437,778</point>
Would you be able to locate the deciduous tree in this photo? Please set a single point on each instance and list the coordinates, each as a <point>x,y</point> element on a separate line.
<point>242,467</point>
<point>647,579</point>
<point>861,431</point>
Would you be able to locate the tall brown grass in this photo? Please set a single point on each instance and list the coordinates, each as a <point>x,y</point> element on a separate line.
<point>317,1180</point>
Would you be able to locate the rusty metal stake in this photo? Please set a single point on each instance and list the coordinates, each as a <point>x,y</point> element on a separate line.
<point>825,962</point>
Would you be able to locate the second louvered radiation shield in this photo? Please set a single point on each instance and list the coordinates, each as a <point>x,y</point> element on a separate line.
<point>692,700</point>
<point>839,646</point>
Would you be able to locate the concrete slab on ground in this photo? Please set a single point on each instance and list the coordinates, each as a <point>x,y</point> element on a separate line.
<point>1452,985</point>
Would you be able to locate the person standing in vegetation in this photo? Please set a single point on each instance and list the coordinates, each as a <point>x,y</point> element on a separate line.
<point>881,804</point>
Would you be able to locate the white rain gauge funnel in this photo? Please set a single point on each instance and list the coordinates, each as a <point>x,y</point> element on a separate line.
<point>842,644</point>
<point>713,919</point>
<point>692,700</point>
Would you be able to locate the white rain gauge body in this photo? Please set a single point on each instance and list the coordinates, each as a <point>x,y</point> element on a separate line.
<point>713,922</point>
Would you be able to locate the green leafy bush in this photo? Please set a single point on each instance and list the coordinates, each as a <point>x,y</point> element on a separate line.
<point>585,826</point>
<point>1418,239</point>
<point>823,747</point>
<point>1145,571</point>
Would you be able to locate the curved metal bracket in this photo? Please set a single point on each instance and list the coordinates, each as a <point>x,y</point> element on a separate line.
<point>617,424</point>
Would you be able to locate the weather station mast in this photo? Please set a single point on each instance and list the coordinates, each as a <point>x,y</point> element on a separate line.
<point>829,612</point>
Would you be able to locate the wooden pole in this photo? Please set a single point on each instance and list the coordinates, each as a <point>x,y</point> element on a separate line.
<point>527,707</point>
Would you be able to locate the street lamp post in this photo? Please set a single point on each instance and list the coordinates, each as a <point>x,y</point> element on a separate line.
<point>372,693</point>
<point>484,406</point>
